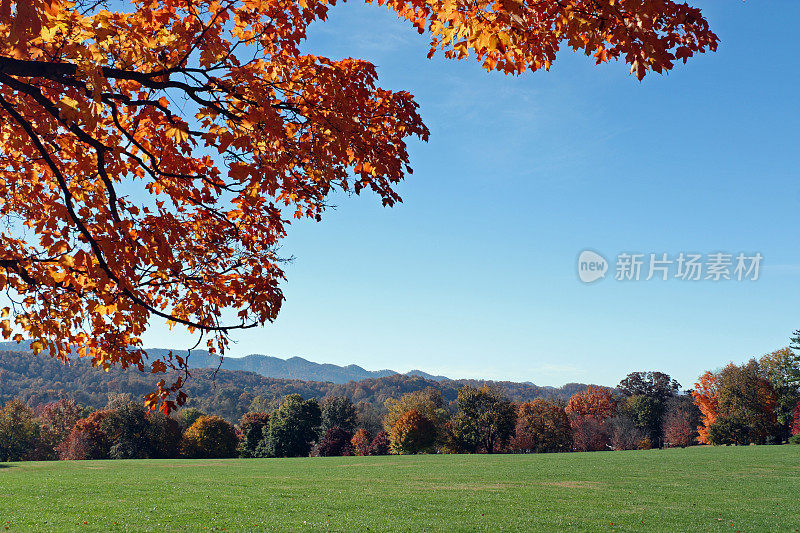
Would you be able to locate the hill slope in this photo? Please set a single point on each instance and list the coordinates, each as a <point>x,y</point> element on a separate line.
<point>228,393</point>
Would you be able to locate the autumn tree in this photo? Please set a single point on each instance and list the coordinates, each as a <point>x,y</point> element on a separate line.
<point>380,444</point>
<point>589,411</point>
<point>747,404</point>
<point>360,442</point>
<point>590,434</point>
<point>484,421</point>
<point>542,426</point>
<point>412,433</point>
<point>625,434</point>
<point>595,402</point>
<point>155,156</point>
<point>428,402</point>
<point>738,405</point>
<point>706,397</point>
<point>88,439</point>
<point>681,419</point>
<point>210,437</point>
<point>335,443</point>
<point>57,419</point>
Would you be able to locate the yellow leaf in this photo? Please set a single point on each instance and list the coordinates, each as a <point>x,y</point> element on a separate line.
<point>180,135</point>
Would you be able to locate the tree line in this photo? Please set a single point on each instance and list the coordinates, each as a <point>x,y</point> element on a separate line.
<point>756,402</point>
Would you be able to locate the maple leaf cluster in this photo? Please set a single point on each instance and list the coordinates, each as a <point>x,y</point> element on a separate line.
<point>151,160</point>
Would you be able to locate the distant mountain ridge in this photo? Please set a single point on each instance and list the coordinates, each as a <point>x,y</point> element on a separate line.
<point>292,368</point>
<point>268,366</point>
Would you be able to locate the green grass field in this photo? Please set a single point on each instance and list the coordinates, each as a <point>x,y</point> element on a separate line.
<point>755,488</point>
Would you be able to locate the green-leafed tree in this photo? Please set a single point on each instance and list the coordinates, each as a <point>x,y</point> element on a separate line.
<point>251,432</point>
<point>338,411</point>
<point>293,428</point>
<point>647,394</point>
<point>130,433</point>
<point>782,369</point>
<point>165,435</point>
<point>647,414</point>
<point>653,384</point>
<point>795,341</point>
<point>484,421</point>
<point>19,432</point>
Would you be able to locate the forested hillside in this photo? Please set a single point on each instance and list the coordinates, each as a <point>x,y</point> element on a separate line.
<point>39,379</point>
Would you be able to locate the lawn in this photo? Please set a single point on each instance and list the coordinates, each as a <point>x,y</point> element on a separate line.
<point>754,488</point>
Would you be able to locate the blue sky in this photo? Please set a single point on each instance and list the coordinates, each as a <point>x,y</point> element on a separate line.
<point>474,275</point>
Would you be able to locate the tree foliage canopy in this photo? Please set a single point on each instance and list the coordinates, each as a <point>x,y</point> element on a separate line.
<point>152,159</point>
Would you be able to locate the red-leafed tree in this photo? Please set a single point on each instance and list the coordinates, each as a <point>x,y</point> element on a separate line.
<point>594,402</point>
<point>360,442</point>
<point>542,426</point>
<point>89,438</point>
<point>380,444</point>
<point>156,155</point>
<point>57,420</point>
<point>335,443</point>
<point>588,412</point>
